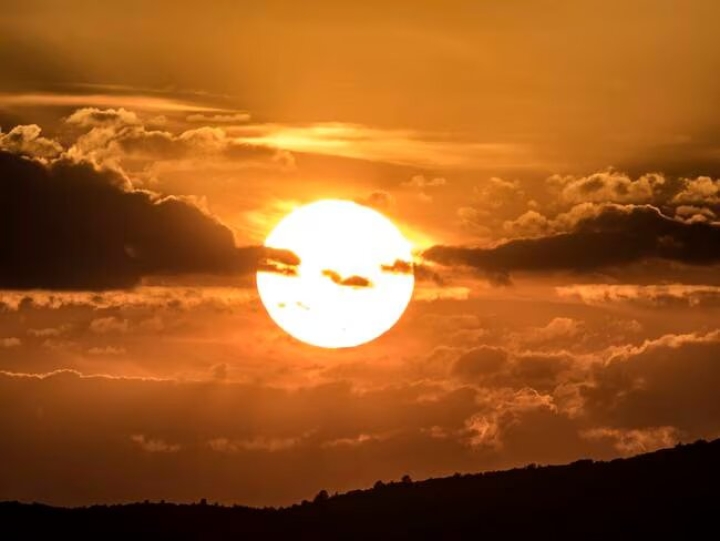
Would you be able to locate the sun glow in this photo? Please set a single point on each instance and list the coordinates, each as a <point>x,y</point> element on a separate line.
<point>354,279</point>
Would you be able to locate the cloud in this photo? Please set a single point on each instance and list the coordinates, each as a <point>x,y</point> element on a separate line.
<point>604,236</point>
<point>529,225</point>
<point>701,190</point>
<point>498,192</point>
<point>478,362</point>
<point>559,328</point>
<point>88,230</point>
<point>660,295</point>
<point>502,209</point>
<point>11,342</point>
<point>398,267</point>
<point>395,146</point>
<point>92,117</point>
<point>230,118</point>
<point>294,441</point>
<point>502,412</point>
<point>283,440</point>
<point>147,298</point>
<point>607,187</point>
<point>110,324</point>
<point>131,101</point>
<point>441,292</point>
<point>355,441</point>
<point>510,367</point>
<point>691,213</point>
<point>667,381</point>
<point>26,140</point>
<point>419,181</point>
<point>350,281</point>
<point>635,441</point>
<point>107,351</point>
<point>260,443</point>
<point>48,332</point>
<point>154,445</point>
<point>492,202</point>
<point>421,186</point>
<point>532,224</point>
<point>119,139</point>
<point>279,262</point>
<point>377,200</point>
<point>539,370</point>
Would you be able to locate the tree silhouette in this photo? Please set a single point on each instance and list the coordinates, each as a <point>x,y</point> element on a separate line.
<point>321,496</point>
<point>666,494</point>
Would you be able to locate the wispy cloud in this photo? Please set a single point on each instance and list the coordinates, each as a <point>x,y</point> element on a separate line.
<point>130,101</point>
<point>405,147</point>
<point>658,295</point>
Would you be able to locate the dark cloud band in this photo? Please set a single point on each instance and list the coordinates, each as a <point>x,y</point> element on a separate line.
<point>67,225</point>
<point>614,235</point>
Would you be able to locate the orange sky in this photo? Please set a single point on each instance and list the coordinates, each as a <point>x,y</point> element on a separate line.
<point>555,164</point>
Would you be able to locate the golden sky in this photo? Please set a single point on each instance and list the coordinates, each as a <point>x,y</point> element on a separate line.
<point>555,164</point>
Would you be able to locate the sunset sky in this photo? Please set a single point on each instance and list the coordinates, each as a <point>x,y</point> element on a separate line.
<point>555,165</point>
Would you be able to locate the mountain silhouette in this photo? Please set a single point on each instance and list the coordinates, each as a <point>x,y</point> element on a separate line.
<point>670,493</point>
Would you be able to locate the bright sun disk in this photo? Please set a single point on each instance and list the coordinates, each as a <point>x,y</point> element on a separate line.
<point>354,279</point>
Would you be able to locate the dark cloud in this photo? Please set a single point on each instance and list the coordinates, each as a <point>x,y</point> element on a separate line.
<point>69,226</point>
<point>152,298</point>
<point>479,361</point>
<point>538,370</point>
<point>502,368</point>
<point>350,281</point>
<point>279,261</point>
<point>398,267</point>
<point>609,235</point>
<point>424,273</point>
<point>669,381</point>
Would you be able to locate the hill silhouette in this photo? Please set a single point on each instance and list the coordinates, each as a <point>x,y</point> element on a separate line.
<point>672,492</point>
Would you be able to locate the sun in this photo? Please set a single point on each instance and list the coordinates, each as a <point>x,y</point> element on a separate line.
<point>353,282</point>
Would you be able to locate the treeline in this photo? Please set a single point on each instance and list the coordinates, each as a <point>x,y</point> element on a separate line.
<point>672,492</point>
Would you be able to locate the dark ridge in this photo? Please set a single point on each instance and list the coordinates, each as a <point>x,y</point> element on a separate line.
<point>671,493</point>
